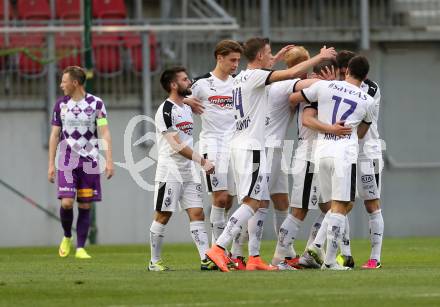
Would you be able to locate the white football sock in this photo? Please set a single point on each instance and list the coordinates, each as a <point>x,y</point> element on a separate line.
<point>287,234</point>
<point>200,237</point>
<point>376,234</point>
<point>335,228</point>
<point>345,242</point>
<point>315,228</point>
<point>157,231</point>
<point>278,219</point>
<point>218,222</point>
<point>321,236</point>
<point>234,225</point>
<point>239,241</point>
<point>255,229</point>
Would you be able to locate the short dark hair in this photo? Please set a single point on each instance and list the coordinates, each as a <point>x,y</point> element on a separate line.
<point>343,57</point>
<point>169,75</point>
<point>253,46</point>
<point>323,64</point>
<point>76,73</point>
<point>358,67</point>
<point>226,47</point>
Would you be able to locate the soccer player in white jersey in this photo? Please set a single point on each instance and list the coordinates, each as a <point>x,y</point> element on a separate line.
<point>78,117</point>
<point>247,146</point>
<point>305,191</point>
<point>177,181</point>
<point>370,164</point>
<point>337,155</point>
<point>214,91</point>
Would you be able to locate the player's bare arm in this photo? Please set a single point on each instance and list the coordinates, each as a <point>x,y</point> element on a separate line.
<point>363,129</point>
<point>104,132</point>
<point>297,70</point>
<point>195,104</point>
<point>310,121</point>
<point>54,139</point>
<point>186,151</point>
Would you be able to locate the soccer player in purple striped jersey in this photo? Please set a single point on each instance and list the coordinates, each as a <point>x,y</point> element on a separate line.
<point>78,118</point>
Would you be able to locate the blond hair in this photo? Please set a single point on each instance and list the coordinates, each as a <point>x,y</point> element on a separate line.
<point>296,55</point>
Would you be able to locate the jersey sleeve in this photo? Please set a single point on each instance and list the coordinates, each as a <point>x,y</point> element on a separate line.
<point>369,115</point>
<point>165,121</point>
<point>260,77</point>
<point>310,94</point>
<point>56,115</point>
<point>100,110</point>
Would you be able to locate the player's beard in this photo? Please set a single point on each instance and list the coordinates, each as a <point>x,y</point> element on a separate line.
<point>183,92</point>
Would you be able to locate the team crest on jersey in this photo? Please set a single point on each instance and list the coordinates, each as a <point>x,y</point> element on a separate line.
<point>223,102</point>
<point>214,181</point>
<point>185,127</point>
<point>211,85</point>
<point>257,188</point>
<point>89,111</point>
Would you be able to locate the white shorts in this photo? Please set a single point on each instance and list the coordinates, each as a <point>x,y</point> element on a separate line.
<point>368,179</point>
<point>305,188</point>
<point>223,178</point>
<point>250,174</point>
<point>337,180</point>
<point>278,180</point>
<point>169,195</point>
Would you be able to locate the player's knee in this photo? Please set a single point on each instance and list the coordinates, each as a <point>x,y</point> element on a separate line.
<point>221,200</point>
<point>162,217</point>
<point>85,206</point>
<point>299,213</point>
<point>67,203</point>
<point>196,215</point>
<point>372,205</point>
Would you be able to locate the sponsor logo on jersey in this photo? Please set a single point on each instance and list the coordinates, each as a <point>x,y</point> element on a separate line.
<point>257,188</point>
<point>267,121</point>
<point>167,202</point>
<point>170,191</point>
<point>367,178</point>
<point>199,188</point>
<point>185,127</point>
<point>314,200</point>
<point>334,137</point>
<point>242,123</point>
<point>224,102</point>
<point>340,88</point>
<point>214,181</point>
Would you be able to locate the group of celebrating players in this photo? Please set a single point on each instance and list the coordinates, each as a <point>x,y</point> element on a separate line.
<point>245,118</point>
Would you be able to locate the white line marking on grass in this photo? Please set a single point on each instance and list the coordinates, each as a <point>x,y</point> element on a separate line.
<point>222,303</point>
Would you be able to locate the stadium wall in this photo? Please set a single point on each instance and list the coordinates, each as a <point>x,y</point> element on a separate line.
<point>409,124</point>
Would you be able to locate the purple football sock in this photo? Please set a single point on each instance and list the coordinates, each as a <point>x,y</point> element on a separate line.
<point>82,226</point>
<point>66,216</point>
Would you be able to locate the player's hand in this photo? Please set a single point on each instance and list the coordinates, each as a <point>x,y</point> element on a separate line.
<point>51,173</point>
<point>208,166</point>
<point>109,169</point>
<point>195,104</point>
<point>280,55</point>
<point>328,74</point>
<point>327,53</point>
<point>339,129</point>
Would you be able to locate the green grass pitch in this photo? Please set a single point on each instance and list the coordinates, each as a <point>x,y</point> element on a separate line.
<point>116,276</point>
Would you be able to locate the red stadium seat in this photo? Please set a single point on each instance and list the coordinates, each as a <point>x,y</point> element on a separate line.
<point>2,10</point>
<point>65,44</point>
<point>134,45</point>
<point>35,44</point>
<point>68,9</point>
<point>109,9</point>
<point>107,53</point>
<point>33,9</point>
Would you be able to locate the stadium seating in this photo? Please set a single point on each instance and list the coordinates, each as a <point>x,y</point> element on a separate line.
<point>109,9</point>
<point>107,53</point>
<point>65,44</point>
<point>134,46</point>
<point>68,9</point>
<point>34,44</point>
<point>33,9</point>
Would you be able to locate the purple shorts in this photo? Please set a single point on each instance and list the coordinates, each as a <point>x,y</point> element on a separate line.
<point>81,179</point>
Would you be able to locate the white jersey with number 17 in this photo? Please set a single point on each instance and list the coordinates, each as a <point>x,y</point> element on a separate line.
<point>340,101</point>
